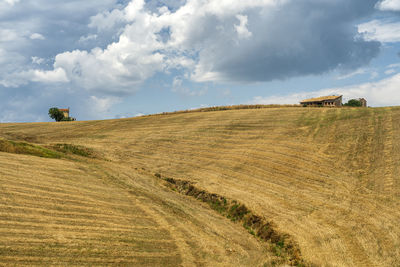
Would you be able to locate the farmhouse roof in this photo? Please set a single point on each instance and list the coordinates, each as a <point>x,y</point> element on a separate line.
<point>322,98</point>
<point>64,109</point>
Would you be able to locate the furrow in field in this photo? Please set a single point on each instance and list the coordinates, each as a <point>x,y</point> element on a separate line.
<point>80,242</point>
<point>67,205</point>
<point>180,240</point>
<point>64,198</point>
<point>388,153</point>
<point>16,221</point>
<point>134,248</point>
<point>147,260</point>
<point>358,254</point>
<point>65,191</point>
<point>63,234</point>
<point>58,179</point>
<point>41,210</point>
<point>396,151</point>
<point>74,229</point>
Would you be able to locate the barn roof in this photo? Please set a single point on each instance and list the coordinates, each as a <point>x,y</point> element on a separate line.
<point>322,98</point>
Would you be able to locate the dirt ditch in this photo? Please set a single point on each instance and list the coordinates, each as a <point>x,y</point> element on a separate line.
<point>283,247</point>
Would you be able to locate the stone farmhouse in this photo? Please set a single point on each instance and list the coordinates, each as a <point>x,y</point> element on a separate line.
<point>323,101</point>
<point>363,102</point>
<point>65,111</point>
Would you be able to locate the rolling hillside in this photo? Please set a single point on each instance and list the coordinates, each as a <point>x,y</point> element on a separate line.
<point>327,178</point>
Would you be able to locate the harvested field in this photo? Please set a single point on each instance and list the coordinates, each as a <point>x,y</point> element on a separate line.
<point>328,178</point>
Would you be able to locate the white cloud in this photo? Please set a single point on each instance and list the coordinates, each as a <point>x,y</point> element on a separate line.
<point>134,9</point>
<point>203,39</point>
<point>17,79</point>
<point>382,93</point>
<point>396,65</point>
<point>163,10</point>
<point>37,36</point>
<point>107,20</point>
<point>37,60</point>
<point>352,74</point>
<point>87,38</point>
<point>363,71</point>
<point>382,31</point>
<point>389,5</point>
<point>118,68</point>
<point>390,71</point>
<point>241,29</point>
<point>50,76</point>
<point>11,2</point>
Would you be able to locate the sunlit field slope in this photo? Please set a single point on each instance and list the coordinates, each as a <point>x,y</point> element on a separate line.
<point>329,178</point>
<point>71,213</point>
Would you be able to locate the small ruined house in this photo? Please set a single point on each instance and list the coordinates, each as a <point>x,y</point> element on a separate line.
<point>65,111</point>
<point>323,101</point>
<point>363,102</point>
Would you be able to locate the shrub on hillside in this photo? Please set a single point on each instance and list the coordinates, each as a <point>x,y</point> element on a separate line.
<point>353,103</point>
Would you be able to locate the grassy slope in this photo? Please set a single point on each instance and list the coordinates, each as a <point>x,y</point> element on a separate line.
<point>328,177</point>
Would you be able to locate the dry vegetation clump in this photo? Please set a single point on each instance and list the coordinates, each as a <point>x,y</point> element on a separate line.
<point>74,149</point>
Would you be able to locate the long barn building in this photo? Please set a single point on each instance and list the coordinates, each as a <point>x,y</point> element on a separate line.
<point>323,101</point>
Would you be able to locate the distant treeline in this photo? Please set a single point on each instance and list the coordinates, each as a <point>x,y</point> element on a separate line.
<point>220,108</point>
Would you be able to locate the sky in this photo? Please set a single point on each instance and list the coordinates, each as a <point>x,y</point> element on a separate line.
<point>107,59</point>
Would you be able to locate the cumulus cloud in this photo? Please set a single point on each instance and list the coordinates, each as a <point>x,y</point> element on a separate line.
<point>240,41</point>
<point>50,76</point>
<point>380,30</point>
<point>107,20</point>
<point>24,25</point>
<point>37,36</point>
<point>113,70</point>
<point>389,5</point>
<point>287,41</point>
<point>37,60</point>
<point>57,75</point>
<point>87,38</point>
<point>241,29</point>
<point>381,93</point>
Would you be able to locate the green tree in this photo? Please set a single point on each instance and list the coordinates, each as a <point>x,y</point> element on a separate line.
<point>353,103</point>
<point>56,114</point>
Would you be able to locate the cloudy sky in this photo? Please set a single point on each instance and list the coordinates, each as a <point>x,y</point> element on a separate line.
<point>120,58</point>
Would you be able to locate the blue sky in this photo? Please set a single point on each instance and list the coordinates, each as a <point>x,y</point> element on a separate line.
<point>112,59</point>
